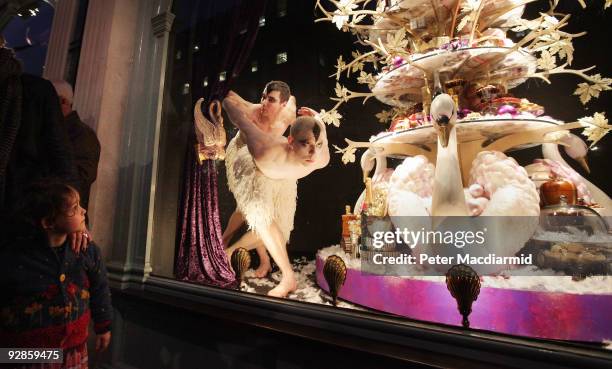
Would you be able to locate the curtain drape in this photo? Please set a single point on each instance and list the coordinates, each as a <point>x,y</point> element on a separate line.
<point>225,32</point>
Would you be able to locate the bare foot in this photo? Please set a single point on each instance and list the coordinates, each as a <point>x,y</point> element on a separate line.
<point>263,269</point>
<point>286,286</point>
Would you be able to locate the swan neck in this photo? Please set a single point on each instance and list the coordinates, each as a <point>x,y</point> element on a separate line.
<point>551,151</point>
<point>448,197</point>
<point>381,165</point>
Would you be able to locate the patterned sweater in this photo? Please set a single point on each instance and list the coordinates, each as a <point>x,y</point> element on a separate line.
<point>46,295</point>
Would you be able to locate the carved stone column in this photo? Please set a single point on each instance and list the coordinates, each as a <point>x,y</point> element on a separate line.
<point>119,91</point>
<point>93,60</point>
<point>62,30</point>
<point>100,93</point>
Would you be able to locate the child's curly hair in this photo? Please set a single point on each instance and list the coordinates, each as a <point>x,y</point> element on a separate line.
<point>45,199</point>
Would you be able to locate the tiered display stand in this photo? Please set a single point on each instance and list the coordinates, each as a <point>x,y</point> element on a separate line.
<point>536,313</point>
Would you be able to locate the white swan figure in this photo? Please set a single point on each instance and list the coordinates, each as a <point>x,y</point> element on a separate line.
<point>554,164</point>
<point>381,174</point>
<point>498,186</point>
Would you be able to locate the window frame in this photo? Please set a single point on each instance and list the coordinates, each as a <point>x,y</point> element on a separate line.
<point>377,333</point>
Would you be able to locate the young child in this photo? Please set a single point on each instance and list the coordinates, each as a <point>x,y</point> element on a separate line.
<point>50,293</point>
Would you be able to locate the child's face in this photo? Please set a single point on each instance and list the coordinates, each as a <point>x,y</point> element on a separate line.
<point>72,217</point>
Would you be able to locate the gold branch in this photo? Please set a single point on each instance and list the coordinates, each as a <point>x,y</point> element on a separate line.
<point>475,21</point>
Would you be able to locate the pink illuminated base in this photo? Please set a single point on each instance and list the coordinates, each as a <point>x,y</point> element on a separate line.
<point>549,315</point>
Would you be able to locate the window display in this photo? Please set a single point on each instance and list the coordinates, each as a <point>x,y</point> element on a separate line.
<point>455,164</point>
<point>469,156</point>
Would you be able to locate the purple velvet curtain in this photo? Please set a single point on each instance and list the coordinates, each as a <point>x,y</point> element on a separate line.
<point>225,32</point>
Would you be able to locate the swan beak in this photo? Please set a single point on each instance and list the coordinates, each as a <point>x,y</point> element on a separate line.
<point>583,163</point>
<point>444,129</point>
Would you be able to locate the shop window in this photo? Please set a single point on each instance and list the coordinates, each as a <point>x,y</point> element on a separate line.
<point>323,195</point>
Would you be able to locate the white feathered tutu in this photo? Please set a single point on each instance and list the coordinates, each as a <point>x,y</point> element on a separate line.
<point>260,199</point>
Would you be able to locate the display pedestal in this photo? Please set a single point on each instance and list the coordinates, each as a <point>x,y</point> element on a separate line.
<point>537,314</point>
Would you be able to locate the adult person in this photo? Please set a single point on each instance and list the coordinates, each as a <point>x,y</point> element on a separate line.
<point>85,143</point>
<point>272,115</point>
<point>33,138</point>
<point>269,168</point>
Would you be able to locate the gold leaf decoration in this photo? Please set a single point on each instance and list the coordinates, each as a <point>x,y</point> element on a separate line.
<point>547,61</point>
<point>330,117</point>
<point>348,153</point>
<point>341,92</point>
<point>384,116</point>
<point>596,127</point>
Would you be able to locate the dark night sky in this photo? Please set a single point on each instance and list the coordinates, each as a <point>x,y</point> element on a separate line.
<point>29,37</point>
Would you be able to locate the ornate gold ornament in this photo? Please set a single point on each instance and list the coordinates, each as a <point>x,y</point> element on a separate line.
<point>241,261</point>
<point>464,285</point>
<point>334,272</point>
<point>210,135</point>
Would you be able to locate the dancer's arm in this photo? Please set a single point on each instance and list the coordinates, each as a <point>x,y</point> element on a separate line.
<point>287,114</point>
<point>238,101</point>
<point>258,142</point>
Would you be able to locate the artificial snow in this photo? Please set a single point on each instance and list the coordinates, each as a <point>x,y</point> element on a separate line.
<point>545,280</point>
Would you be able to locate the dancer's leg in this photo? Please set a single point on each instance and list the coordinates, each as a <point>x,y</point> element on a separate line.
<point>248,241</point>
<point>236,220</point>
<point>275,243</point>
<point>264,261</point>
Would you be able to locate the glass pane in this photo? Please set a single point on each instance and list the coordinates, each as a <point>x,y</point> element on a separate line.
<point>339,214</point>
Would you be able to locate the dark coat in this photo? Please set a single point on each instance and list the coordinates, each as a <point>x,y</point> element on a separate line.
<point>48,300</point>
<point>41,148</point>
<point>86,153</point>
